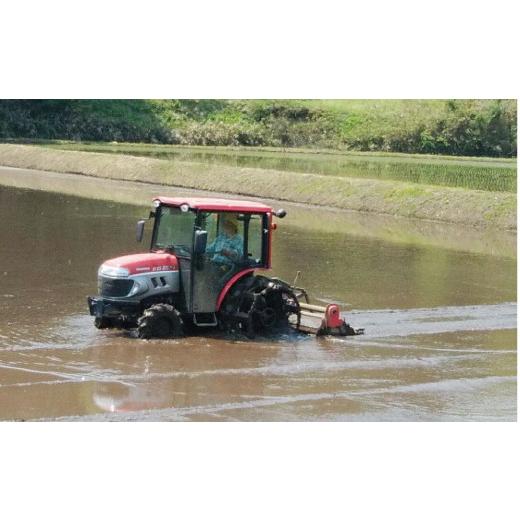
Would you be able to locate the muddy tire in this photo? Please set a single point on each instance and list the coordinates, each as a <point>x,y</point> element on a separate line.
<point>259,305</point>
<point>160,321</point>
<point>103,323</point>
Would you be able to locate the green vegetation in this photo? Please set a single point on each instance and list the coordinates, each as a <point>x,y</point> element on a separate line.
<point>479,174</point>
<point>445,160</point>
<point>453,127</point>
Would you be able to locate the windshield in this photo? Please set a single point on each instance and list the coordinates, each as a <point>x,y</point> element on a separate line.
<point>173,230</point>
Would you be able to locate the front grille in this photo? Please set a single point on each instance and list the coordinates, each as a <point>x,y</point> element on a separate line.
<point>114,287</point>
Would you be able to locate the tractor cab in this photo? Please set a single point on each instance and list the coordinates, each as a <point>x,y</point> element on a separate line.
<point>215,241</point>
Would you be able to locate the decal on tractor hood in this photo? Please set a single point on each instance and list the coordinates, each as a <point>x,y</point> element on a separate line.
<point>144,262</point>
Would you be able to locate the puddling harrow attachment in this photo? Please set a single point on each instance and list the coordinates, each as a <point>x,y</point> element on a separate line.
<point>320,320</point>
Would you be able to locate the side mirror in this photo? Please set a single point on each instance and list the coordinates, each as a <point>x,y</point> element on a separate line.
<point>280,213</point>
<point>140,230</point>
<point>201,240</point>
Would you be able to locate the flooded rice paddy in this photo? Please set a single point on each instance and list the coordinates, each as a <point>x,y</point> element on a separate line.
<point>476,173</point>
<point>440,320</point>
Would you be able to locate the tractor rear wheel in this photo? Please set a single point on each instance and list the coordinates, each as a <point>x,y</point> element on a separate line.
<point>260,305</point>
<point>160,321</point>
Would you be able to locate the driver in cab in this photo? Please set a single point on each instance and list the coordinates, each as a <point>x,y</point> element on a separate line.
<point>227,249</point>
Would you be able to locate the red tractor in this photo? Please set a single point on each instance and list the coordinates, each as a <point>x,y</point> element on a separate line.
<point>200,272</point>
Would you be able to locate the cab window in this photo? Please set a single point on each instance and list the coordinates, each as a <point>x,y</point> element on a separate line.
<point>255,239</point>
<point>249,227</point>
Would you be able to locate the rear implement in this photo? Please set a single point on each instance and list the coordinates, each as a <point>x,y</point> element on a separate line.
<point>322,320</point>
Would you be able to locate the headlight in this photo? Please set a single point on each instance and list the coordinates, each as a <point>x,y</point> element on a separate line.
<point>138,288</point>
<point>185,208</point>
<point>114,272</point>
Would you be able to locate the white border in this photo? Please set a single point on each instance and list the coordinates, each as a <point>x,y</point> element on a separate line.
<point>233,49</point>
<point>265,470</point>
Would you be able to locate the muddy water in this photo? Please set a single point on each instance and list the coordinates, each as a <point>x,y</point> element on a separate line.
<point>440,322</point>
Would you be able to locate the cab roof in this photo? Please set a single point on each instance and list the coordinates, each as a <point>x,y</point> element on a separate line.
<point>211,204</point>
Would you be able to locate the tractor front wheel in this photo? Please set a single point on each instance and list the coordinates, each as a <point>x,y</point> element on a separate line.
<point>160,321</point>
<point>104,323</point>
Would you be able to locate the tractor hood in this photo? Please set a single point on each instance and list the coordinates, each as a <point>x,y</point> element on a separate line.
<point>142,263</point>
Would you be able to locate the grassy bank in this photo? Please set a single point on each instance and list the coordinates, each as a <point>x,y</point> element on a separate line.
<point>454,127</point>
<point>490,174</point>
<point>455,205</point>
